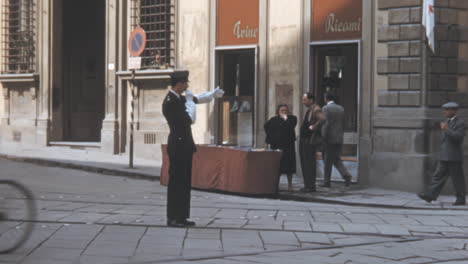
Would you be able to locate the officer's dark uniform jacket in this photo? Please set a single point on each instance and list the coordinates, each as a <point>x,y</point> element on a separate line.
<point>180,148</point>
<point>180,135</point>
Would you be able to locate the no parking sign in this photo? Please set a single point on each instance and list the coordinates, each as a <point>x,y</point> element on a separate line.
<point>137,42</point>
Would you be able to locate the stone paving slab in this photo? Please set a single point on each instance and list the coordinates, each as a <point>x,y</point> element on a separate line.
<point>339,233</point>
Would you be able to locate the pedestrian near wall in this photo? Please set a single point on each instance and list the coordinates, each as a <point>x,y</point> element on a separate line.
<point>332,133</point>
<point>310,141</point>
<point>179,112</point>
<point>450,160</point>
<point>280,134</point>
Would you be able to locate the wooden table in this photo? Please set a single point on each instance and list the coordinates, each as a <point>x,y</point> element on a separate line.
<point>231,169</point>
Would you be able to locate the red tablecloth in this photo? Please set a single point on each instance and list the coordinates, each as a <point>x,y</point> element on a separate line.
<point>231,169</point>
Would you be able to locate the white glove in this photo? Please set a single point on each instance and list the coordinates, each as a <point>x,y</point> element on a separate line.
<point>188,95</point>
<point>190,106</point>
<point>206,97</point>
<point>218,93</point>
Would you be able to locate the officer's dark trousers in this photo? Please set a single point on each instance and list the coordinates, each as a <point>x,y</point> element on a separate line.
<point>444,170</point>
<point>308,164</point>
<point>332,157</point>
<point>180,183</point>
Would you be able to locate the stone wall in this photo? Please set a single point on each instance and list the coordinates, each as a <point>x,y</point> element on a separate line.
<point>2,97</point>
<point>445,66</point>
<point>398,154</point>
<point>284,59</point>
<point>403,64</point>
<point>418,82</point>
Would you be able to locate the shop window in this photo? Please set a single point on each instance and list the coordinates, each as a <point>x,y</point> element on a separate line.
<point>19,36</point>
<point>236,109</point>
<point>156,17</point>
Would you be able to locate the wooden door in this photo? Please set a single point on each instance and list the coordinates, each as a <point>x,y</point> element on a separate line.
<point>84,24</point>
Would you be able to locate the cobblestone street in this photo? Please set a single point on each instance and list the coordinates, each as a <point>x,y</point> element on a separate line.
<point>92,218</point>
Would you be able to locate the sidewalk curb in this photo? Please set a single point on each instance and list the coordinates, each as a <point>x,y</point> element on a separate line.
<point>89,168</point>
<point>293,197</point>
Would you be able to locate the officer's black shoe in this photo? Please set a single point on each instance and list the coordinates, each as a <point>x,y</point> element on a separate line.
<point>459,202</point>
<point>188,223</point>
<point>175,223</point>
<point>425,197</point>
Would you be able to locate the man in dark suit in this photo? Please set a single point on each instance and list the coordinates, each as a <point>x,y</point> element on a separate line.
<point>179,112</point>
<point>309,141</point>
<point>450,162</point>
<point>332,133</point>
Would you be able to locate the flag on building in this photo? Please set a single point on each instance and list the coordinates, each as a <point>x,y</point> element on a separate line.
<point>428,22</point>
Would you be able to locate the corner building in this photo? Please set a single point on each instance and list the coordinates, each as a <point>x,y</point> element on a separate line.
<point>65,80</point>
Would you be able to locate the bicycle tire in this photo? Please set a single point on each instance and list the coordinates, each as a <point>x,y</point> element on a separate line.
<point>27,222</point>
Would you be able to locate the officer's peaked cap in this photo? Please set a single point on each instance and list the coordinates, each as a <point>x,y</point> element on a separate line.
<point>180,76</point>
<point>450,105</point>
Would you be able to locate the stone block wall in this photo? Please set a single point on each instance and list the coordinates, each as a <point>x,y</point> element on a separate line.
<point>403,64</point>
<point>445,66</point>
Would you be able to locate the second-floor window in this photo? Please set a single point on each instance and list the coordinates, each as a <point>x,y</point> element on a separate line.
<point>156,17</point>
<point>19,36</point>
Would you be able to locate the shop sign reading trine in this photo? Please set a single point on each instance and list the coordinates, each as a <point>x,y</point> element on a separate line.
<point>241,31</point>
<point>336,20</point>
<point>237,22</point>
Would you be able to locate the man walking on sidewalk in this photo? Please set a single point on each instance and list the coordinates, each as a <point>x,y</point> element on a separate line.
<point>333,132</point>
<point>450,162</point>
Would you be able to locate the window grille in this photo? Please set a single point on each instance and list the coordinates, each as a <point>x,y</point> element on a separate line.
<point>18,36</point>
<point>156,17</point>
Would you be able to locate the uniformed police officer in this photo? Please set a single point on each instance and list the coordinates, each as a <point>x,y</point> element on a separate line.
<point>179,112</point>
<point>450,161</point>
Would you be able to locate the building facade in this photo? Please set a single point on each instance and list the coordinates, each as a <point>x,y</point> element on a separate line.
<point>65,79</point>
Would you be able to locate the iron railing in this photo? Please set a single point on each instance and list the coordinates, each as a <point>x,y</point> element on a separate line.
<point>18,36</point>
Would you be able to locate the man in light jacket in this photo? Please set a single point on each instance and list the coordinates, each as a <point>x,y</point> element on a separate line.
<point>332,133</point>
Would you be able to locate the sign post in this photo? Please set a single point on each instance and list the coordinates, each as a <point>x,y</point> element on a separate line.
<point>136,45</point>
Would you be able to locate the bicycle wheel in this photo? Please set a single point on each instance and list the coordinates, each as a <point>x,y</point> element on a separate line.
<point>17,213</point>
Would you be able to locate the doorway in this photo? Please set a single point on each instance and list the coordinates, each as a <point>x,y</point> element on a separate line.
<point>84,69</point>
<point>335,69</point>
<point>236,74</point>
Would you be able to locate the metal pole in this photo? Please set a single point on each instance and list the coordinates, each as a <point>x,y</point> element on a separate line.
<point>132,110</point>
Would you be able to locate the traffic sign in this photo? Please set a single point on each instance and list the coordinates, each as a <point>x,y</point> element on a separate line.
<point>137,42</point>
<point>134,63</point>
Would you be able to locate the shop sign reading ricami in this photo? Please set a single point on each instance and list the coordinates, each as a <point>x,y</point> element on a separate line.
<point>336,20</point>
<point>237,22</point>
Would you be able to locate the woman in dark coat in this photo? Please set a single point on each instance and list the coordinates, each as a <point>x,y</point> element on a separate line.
<point>280,134</point>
